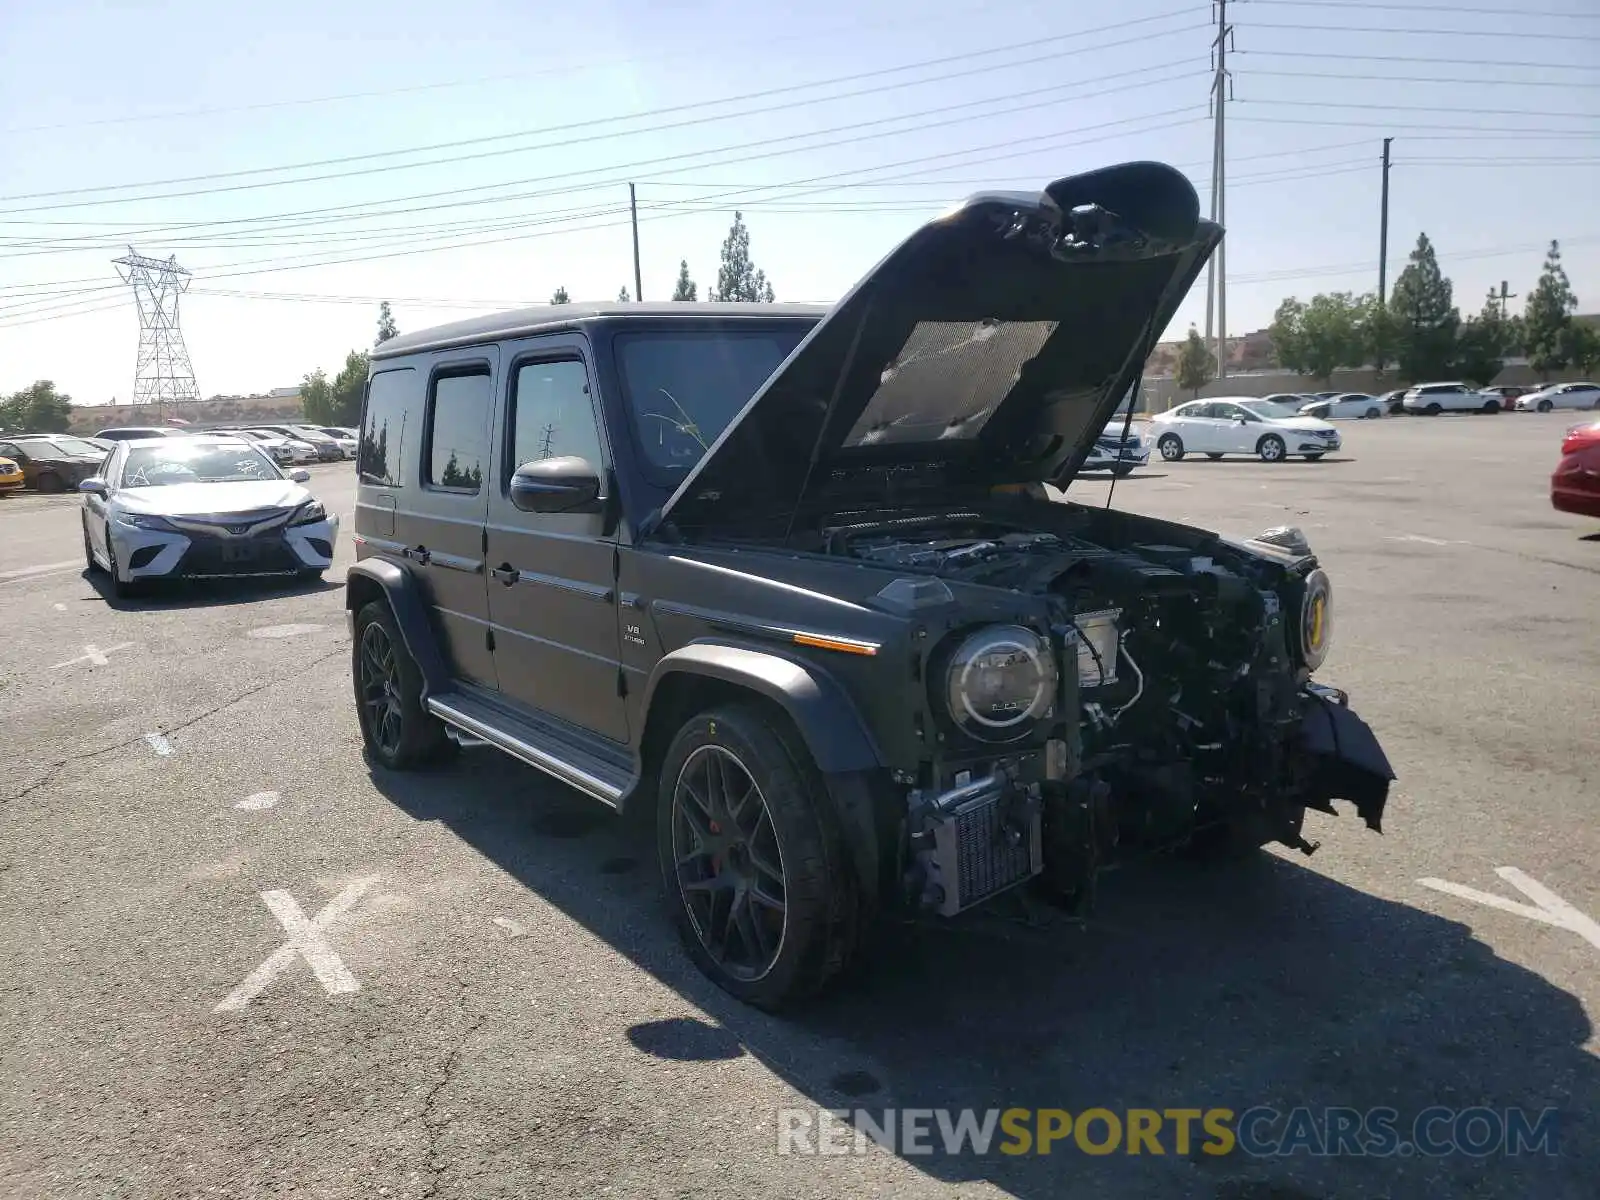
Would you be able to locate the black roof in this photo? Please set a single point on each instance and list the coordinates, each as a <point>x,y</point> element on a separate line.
<point>523,321</point>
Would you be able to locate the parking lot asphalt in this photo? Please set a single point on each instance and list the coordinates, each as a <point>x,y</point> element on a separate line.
<point>236,962</point>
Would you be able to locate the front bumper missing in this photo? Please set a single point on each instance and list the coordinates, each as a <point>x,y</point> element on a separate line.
<point>1349,764</point>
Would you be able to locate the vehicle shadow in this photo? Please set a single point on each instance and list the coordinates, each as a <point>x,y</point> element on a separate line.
<point>205,593</point>
<point>1262,983</point>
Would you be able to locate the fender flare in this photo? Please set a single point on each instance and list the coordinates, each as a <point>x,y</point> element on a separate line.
<point>410,615</point>
<point>822,711</point>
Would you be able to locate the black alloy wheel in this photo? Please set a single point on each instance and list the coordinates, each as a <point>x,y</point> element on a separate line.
<point>729,863</point>
<point>397,728</point>
<point>378,678</point>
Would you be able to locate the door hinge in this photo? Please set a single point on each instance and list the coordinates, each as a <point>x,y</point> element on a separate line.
<point>485,540</point>
<point>488,639</point>
<point>622,682</point>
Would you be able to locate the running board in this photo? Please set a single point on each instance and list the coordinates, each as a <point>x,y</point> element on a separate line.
<point>577,768</point>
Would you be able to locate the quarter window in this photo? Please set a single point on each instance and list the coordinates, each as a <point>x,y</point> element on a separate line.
<point>458,430</point>
<point>381,457</point>
<point>554,414</point>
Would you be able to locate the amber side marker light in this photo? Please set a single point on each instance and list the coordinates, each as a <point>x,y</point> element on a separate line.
<point>839,644</point>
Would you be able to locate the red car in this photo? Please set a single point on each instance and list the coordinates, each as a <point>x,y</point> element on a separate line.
<point>1575,487</point>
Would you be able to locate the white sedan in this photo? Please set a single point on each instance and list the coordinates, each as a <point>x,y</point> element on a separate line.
<point>201,507</point>
<point>1241,425</point>
<point>1560,395</point>
<point>1356,405</point>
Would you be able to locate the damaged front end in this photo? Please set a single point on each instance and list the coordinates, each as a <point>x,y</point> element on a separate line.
<point>1162,697</point>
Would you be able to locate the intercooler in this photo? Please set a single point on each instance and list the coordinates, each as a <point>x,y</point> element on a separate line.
<point>986,837</point>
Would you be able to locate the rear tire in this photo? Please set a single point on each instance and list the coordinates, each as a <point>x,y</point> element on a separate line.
<point>1171,447</point>
<point>1493,406</point>
<point>1122,470</point>
<point>1433,410</point>
<point>750,854</point>
<point>1271,448</point>
<point>1371,414</point>
<point>398,730</point>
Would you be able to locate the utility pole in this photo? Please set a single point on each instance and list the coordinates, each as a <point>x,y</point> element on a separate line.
<point>1217,269</point>
<point>1505,294</point>
<point>1383,230</point>
<point>633,209</point>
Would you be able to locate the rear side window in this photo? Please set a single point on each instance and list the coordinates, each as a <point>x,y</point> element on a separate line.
<point>554,415</point>
<point>381,457</point>
<point>458,430</point>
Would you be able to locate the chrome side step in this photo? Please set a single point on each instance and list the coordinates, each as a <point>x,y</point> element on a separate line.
<point>588,774</point>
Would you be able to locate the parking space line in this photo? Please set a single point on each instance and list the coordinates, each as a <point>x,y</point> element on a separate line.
<point>1547,907</point>
<point>45,569</point>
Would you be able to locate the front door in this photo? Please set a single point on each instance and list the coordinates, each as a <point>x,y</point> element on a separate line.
<point>1233,429</point>
<point>552,592</point>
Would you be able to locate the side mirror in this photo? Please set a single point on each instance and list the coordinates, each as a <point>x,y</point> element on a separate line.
<point>94,486</point>
<point>556,485</point>
<point>1244,420</point>
<point>300,475</point>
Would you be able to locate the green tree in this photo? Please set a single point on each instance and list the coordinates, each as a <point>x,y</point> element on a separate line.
<point>738,277</point>
<point>38,408</point>
<point>623,297</point>
<point>1482,344</point>
<point>1316,339</point>
<point>687,289</point>
<point>1380,333</point>
<point>560,297</point>
<point>1285,334</point>
<point>1582,346</point>
<point>316,398</point>
<point>348,387</point>
<point>1548,315</point>
<point>1197,366</point>
<point>386,326</point>
<point>1425,316</point>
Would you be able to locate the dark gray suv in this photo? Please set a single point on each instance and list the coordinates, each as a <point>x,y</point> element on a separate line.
<point>786,580</point>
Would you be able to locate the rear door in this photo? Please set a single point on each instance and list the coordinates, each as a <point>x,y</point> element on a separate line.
<point>552,591</point>
<point>1189,424</point>
<point>439,522</point>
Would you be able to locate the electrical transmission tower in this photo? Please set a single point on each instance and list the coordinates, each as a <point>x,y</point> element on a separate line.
<point>164,372</point>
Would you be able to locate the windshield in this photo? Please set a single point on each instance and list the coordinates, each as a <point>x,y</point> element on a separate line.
<point>191,462</point>
<point>1269,408</point>
<point>683,388</point>
<point>57,446</point>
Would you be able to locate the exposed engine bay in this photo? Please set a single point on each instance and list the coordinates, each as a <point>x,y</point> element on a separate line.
<point>1179,698</point>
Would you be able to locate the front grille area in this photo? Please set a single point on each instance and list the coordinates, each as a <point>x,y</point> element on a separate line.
<point>238,556</point>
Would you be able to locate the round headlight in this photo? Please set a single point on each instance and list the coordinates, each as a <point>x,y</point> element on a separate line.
<point>999,681</point>
<point>1316,619</point>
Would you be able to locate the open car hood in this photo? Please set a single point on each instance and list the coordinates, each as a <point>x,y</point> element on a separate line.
<point>990,347</point>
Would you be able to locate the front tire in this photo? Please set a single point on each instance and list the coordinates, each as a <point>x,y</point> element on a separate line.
<point>88,551</point>
<point>1433,410</point>
<point>1545,406</point>
<point>751,861</point>
<point>1271,448</point>
<point>121,589</point>
<point>398,730</point>
<point>1171,447</point>
<point>1213,455</point>
<point>1493,406</point>
<point>1314,457</point>
<point>1371,414</point>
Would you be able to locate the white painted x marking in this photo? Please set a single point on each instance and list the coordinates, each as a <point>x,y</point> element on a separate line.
<point>305,941</point>
<point>1547,907</point>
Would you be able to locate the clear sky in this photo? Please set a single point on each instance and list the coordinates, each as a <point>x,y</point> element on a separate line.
<point>484,149</point>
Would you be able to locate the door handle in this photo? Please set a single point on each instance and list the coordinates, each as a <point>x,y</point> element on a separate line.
<point>417,554</point>
<point>506,574</point>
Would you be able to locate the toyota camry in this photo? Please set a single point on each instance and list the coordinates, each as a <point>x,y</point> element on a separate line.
<point>198,508</point>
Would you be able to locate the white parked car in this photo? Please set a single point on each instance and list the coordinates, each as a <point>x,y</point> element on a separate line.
<point>1268,429</point>
<point>199,508</point>
<point>348,439</point>
<point>283,449</point>
<point>1561,395</point>
<point>1118,454</point>
<point>1352,405</point>
<point>1431,399</point>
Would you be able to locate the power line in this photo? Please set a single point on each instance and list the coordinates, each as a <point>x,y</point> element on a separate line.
<point>1416,61</point>
<point>1430,108</point>
<point>606,121</point>
<point>1452,11</point>
<point>1479,81</point>
<point>1521,34</point>
<point>565,69</point>
<point>1478,132</point>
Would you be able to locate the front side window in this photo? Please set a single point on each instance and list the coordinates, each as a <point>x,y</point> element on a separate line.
<point>380,459</point>
<point>682,388</point>
<point>458,430</point>
<point>553,414</point>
